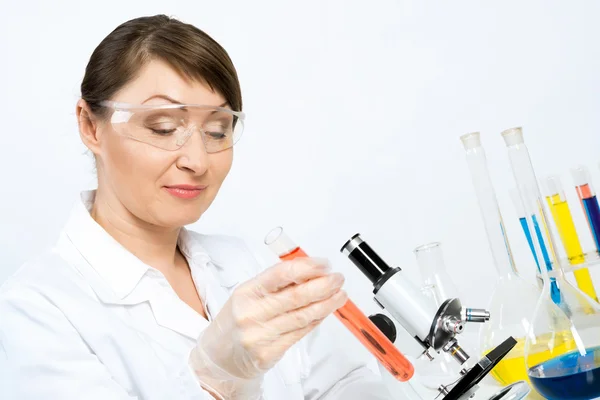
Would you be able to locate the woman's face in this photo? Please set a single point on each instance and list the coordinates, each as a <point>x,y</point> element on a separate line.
<point>146,180</point>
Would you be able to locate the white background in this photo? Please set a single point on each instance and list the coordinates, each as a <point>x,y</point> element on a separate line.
<point>354,113</point>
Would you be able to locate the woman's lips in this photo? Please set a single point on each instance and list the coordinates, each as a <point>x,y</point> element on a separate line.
<point>185,191</point>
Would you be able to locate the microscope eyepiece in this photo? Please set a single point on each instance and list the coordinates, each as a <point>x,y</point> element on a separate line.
<point>351,244</point>
<point>363,256</point>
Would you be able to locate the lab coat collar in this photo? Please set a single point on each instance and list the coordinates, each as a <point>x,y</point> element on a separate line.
<point>117,267</point>
<point>117,276</point>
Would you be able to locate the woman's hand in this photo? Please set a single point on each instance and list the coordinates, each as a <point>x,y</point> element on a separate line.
<point>261,320</point>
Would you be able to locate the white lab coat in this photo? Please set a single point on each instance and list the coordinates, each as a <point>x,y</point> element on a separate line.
<point>89,320</point>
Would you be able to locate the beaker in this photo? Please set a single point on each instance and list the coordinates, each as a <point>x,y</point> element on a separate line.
<point>562,350</point>
<point>350,315</point>
<point>513,299</point>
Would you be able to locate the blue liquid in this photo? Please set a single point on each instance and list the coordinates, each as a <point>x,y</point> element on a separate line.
<point>592,212</point>
<point>568,377</point>
<point>530,241</point>
<point>554,291</point>
<point>538,233</point>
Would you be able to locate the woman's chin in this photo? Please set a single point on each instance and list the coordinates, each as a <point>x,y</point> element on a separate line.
<point>179,220</point>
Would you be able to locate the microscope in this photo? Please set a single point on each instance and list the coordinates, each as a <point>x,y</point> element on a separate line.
<point>435,330</point>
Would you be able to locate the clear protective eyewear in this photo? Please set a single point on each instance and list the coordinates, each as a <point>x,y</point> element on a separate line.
<point>169,126</point>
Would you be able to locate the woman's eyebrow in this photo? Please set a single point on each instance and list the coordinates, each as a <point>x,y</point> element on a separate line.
<point>162,96</point>
<point>174,101</point>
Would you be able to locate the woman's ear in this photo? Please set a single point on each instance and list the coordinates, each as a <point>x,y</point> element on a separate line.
<point>88,127</point>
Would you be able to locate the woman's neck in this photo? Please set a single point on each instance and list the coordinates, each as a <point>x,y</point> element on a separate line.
<point>153,245</point>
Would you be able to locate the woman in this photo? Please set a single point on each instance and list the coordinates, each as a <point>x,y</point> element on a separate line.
<point>129,304</point>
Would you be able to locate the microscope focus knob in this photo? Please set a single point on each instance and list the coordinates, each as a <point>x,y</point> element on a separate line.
<point>385,325</point>
<point>453,325</point>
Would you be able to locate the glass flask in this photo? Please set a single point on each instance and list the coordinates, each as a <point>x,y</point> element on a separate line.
<point>438,286</point>
<point>513,300</point>
<point>437,283</point>
<point>562,350</point>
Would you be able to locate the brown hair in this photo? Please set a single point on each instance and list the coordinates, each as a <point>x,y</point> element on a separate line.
<point>190,51</point>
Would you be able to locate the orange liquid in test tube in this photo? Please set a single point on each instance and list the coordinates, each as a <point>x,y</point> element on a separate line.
<point>366,332</point>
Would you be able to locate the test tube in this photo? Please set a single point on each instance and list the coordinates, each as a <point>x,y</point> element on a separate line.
<point>534,206</point>
<point>350,316</point>
<point>559,208</point>
<point>589,201</point>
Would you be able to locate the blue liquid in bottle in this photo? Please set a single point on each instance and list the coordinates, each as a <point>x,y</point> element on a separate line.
<point>538,233</point>
<point>592,211</point>
<point>530,241</point>
<point>570,376</point>
<point>554,291</point>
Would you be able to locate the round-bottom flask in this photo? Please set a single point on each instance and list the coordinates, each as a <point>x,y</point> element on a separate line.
<point>513,300</point>
<point>511,308</point>
<point>562,351</point>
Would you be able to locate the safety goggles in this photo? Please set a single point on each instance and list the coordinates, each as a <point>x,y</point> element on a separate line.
<point>169,126</point>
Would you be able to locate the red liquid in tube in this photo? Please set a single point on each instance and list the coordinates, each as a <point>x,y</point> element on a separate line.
<point>368,334</point>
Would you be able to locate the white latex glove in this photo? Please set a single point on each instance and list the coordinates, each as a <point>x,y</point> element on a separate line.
<point>262,319</point>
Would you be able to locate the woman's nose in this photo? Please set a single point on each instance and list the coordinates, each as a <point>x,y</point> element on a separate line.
<point>193,154</point>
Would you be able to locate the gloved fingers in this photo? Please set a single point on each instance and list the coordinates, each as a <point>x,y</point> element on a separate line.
<point>221,383</point>
<point>288,272</point>
<point>256,327</point>
<point>302,317</point>
<point>268,335</point>
<point>267,356</point>
<point>298,296</point>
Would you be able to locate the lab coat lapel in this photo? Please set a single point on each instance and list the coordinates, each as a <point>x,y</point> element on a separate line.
<point>213,282</point>
<point>226,268</point>
<point>177,316</point>
<point>219,287</point>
